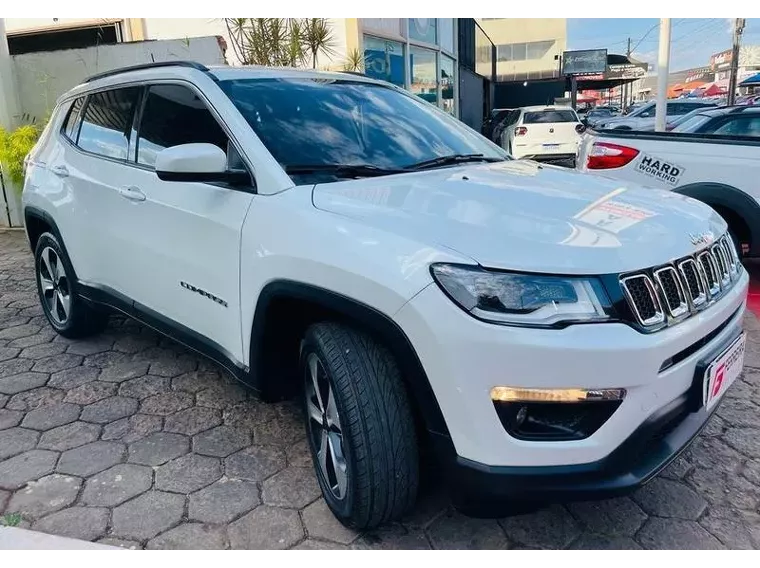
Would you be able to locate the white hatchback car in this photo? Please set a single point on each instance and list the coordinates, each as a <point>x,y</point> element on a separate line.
<point>543,133</point>
<point>549,334</point>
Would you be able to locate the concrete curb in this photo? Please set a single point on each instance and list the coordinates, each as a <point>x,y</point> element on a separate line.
<point>14,538</point>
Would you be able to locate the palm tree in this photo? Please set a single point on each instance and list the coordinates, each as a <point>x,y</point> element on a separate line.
<point>318,38</point>
<point>354,61</point>
<point>285,42</point>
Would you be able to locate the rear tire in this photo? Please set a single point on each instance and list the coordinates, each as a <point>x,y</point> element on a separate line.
<point>359,426</point>
<point>66,311</point>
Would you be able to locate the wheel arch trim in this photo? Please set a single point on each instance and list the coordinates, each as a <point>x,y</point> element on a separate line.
<point>47,218</point>
<point>737,201</point>
<point>371,320</point>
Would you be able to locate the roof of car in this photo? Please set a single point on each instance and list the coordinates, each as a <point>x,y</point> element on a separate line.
<point>220,72</point>
<point>545,107</point>
<point>227,72</point>
<point>738,109</point>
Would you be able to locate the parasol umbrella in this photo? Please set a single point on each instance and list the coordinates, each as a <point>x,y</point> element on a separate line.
<point>712,89</point>
<point>751,81</point>
<point>675,91</point>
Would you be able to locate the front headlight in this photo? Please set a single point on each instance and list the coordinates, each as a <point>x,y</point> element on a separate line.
<point>523,299</point>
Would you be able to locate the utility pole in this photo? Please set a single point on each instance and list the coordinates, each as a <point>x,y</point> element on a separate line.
<point>663,64</point>
<point>733,74</point>
<point>627,86</point>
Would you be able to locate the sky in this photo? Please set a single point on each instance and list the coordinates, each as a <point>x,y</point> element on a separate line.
<point>693,40</point>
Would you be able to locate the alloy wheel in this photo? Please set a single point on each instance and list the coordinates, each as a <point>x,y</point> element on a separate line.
<point>55,287</point>
<point>324,427</point>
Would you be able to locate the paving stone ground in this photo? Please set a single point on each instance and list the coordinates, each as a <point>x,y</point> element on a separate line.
<point>130,439</point>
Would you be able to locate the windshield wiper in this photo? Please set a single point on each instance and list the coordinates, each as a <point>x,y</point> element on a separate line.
<point>452,160</point>
<point>342,170</point>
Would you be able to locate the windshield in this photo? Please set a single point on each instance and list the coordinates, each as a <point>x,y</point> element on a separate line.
<point>325,122</point>
<point>547,116</point>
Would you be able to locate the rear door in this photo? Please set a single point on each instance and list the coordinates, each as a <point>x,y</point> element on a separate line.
<point>93,165</point>
<point>549,131</point>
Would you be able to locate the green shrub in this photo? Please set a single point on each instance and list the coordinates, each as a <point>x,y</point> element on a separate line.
<point>14,146</point>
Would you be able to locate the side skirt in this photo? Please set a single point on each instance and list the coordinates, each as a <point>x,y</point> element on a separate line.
<point>105,296</point>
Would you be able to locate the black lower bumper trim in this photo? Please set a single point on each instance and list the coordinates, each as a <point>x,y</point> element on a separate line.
<point>484,490</point>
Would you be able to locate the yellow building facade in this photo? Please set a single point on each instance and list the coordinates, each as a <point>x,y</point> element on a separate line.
<point>526,48</point>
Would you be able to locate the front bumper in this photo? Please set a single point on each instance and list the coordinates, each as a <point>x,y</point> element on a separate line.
<point>465,358</point>
<point>487,490</point>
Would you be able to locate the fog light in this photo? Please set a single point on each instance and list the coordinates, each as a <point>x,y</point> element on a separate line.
<point>511,394</point>
<point>554,415</point>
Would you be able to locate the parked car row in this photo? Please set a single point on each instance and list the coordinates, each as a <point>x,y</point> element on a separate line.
<point>335,239</point>
<point>643,117</point>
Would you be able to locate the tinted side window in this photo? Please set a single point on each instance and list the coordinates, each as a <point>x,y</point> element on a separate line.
<point>175,115</point>
<point>740,126</point>
<point>71,126</point>
<point>107,122</point>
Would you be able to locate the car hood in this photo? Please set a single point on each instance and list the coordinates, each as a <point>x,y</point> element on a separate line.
<point>520,215</point>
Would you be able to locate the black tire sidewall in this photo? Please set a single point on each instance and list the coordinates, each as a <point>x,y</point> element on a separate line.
<point>342,508</point>
<point>48,240</point>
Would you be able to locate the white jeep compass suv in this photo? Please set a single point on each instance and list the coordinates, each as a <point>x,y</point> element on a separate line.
<point>549,335</point>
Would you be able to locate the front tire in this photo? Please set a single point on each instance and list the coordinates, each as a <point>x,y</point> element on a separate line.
<point>359,426</point>
<point>67,313</point>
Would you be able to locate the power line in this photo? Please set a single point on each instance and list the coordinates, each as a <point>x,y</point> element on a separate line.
<point>711,26</point>
<point>649,31</point>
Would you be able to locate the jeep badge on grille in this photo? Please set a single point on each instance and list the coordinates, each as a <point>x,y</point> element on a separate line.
<point>705,238</point>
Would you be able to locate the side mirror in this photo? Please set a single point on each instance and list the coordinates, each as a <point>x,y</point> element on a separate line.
<point>196,163</point>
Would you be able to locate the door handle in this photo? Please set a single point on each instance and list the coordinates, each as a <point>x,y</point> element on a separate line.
<point>132,193</point>
<point>60,171</point>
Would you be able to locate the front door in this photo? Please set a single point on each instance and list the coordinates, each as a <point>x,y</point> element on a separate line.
<point>186,236</point>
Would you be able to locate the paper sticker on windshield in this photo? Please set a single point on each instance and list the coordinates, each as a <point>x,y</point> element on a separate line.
<point>659,169</point>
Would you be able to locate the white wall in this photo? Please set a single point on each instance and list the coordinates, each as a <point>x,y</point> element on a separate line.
<point>184,28</point>
<point>43,76</point>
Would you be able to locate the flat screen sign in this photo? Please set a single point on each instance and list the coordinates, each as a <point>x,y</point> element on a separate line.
<point>584,62</point>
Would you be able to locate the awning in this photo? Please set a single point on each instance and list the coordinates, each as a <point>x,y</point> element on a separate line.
<point>749,81</point>
<point>621,70</point>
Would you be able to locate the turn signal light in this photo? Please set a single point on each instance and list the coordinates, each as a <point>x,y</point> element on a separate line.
<point>605,156</point>
<point>509,394</point>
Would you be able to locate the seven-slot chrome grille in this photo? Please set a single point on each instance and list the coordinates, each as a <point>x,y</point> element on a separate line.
<point>670,293</point>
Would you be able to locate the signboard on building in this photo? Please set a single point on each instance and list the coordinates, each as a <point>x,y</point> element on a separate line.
<point>627,70</point>
<point>705,74</point>
<point>584,62</point>
<point>721,61</point>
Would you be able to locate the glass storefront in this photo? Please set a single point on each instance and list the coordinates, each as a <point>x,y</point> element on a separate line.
<point>448,80</point>
<point>446,34</point>
<point>424,74</point>
<point>424,30</point>
<point>422,60</point>
<point>384,60</point>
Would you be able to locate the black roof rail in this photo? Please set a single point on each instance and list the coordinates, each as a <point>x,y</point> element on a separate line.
<point>152,65</point>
